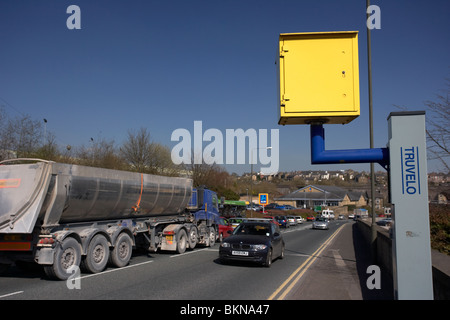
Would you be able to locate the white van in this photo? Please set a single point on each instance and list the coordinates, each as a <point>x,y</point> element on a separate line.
<point>328,214</point>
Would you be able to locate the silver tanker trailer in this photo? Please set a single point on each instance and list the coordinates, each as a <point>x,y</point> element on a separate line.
<point>63,216</point>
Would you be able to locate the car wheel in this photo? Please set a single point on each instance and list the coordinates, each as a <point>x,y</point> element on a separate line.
<point>282,252</point>
<point>268,261</point>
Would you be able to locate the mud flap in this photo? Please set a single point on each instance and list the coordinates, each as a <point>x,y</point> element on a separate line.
<point>169,237</point>
<point>45,256</point>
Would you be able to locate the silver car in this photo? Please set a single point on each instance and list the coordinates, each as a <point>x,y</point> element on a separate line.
<point>292,220</point>
<point>320,223</point>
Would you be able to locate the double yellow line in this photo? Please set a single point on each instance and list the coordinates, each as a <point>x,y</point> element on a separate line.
<point>278,294</point>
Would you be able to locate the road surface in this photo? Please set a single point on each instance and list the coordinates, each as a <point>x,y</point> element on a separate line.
<point>194,275</point>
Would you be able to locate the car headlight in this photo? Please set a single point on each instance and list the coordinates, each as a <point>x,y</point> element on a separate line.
<point>259,246</point>
<point>225,245</point>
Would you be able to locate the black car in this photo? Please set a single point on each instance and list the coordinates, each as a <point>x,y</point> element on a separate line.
<point>253,241</point>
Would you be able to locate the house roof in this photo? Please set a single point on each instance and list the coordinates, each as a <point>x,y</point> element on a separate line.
<point>314,192</point>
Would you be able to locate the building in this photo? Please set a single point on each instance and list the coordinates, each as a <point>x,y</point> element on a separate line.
<point>330,196</point>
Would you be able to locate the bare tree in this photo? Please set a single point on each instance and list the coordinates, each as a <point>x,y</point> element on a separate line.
<point>160,161</point>
<point>4,151</point>
<point>100,153</point>
<point>214,176</point>
<point>438,128</point>
<point>136,151</point>
<point>21,135</point>
<point>49,150</point>
<point>144,155</point>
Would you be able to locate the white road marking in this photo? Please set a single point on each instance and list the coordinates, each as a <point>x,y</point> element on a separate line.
<point>10,294</point>
<point>194,251</point>
<point>114,270</point>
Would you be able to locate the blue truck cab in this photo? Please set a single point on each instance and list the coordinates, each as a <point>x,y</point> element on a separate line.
<point>204,205</point>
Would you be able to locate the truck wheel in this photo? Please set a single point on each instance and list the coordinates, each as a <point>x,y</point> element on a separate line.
<point>212,236</point>
<point>97,254</point>
<point>121,254</point>
<point>181,241</point>
<point>67,260</point>
<point>193,237</point>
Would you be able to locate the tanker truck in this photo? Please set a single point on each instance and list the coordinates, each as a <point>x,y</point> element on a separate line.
<point>65,216</point>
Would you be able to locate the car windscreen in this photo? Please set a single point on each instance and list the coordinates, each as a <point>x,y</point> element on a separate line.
<point>253,229</point>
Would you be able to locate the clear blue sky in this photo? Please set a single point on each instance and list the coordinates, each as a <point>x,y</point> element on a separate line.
<point>163,64</point>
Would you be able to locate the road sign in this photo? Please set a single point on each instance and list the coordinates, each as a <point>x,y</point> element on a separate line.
<point>263,199</point>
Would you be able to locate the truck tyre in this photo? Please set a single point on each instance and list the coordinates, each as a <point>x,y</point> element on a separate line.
<point>193,237</point>
<point>67,260</point>
<point>212,236</point>
<point>121,254</point>
<point>181,241</point>
<point>97,254</point>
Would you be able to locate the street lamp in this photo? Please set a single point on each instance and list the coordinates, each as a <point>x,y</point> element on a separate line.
<point>45,129</point>
<point>251,177</point>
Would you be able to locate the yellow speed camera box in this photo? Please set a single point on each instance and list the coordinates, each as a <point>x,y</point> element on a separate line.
<point>318,77</point>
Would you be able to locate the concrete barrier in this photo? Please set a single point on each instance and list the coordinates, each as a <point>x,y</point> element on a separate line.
<point>440,262</point>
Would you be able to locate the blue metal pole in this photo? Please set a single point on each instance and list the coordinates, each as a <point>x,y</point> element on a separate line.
<point>321,156</point>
